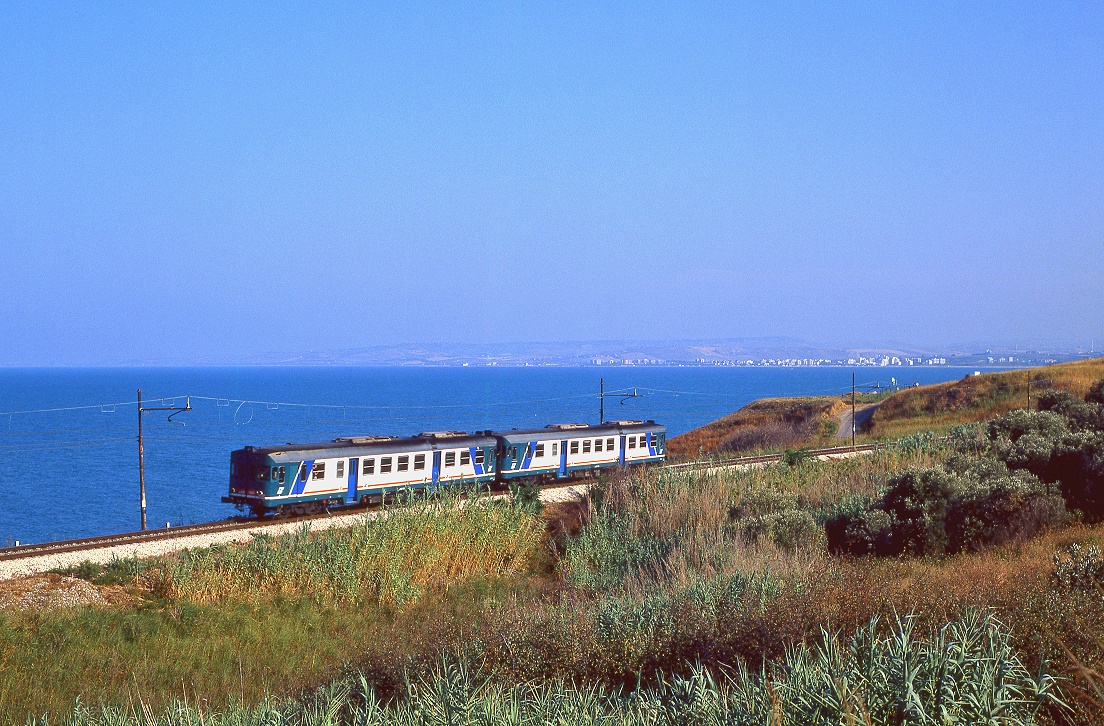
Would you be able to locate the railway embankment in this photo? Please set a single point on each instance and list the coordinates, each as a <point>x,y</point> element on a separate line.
<point>34,560</point>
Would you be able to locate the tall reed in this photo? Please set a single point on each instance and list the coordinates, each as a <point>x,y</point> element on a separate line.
<point>391,560</point>
<point>965,672</point>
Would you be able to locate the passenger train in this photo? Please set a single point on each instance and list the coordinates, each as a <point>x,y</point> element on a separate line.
<point>299,478</point>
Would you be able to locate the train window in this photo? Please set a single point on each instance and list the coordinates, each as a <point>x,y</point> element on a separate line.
<point>597,444</point>
<point>302,476</point>
<point>450,458</point>
<point>586,446</point>
<point>479,457</point>
<point>278,473</point>
<point>419,462</point>
<point>631,443</point>
<point>262,473</point>
<point>574,447</point>
<point>385,465</point>
<point>555,447</point>
<point>609,444</point>
<point>465,457</point>
<point>319,470</point>
<point>404,463</point>
<point>540,451</point>
<point>369,466</point>
<point>644,441</point>
<point>341,469</point>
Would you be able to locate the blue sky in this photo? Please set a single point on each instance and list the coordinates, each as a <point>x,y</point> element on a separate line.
<point>227,178</point>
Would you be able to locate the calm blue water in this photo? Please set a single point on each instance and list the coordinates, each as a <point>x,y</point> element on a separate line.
<point>74,473</point>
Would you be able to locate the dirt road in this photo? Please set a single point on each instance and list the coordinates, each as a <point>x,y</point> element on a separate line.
<point>862,415</point>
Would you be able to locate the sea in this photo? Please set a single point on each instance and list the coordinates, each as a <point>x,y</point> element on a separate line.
<point>69,448</point>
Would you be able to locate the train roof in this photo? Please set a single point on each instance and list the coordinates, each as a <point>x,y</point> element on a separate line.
<point>435,440</point>
<point>579,431</point>
<point>373,445</point>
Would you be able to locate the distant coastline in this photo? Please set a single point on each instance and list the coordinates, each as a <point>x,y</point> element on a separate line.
<point>752,352</point>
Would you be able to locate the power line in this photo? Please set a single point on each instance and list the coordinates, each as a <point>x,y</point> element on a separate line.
<point>224,402</point>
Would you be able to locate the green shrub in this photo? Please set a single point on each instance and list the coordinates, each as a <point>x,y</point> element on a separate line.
<point>919,441</point>
<point>794,457</point>
<point>1096,393</point>
<point>607,551</point>
<point>1043,443</point>
<point>789,530</point>
<point>968,505</point>
<point>526,496</point>
<point>917,502</point>
<point>1010,508</point>
<point>1080,414</point>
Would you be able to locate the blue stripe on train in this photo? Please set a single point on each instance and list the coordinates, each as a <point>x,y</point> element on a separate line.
<point>529,447</point>
<point>306,469</point>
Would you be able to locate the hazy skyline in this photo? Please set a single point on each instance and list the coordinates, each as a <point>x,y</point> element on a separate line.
<point>223,180</point>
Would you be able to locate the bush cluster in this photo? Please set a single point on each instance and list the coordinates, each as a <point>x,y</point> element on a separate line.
<point>1011,478</point>
<point>946,509</point>
<point>1062,444</point>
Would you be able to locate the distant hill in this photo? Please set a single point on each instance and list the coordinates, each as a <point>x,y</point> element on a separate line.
<point>738,351</point>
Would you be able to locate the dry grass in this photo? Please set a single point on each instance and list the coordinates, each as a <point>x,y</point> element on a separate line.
<point>976,398</point>
<point>766,424</point>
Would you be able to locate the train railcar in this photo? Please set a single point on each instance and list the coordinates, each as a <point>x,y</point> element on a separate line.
<point>309,477</point>
<point>562,450</point>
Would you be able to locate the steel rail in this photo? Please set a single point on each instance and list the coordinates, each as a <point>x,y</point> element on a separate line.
<point>125,538</point>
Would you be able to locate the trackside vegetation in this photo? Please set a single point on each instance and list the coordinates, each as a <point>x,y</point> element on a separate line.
<point>953,578</point>
<point>967,672</point>
<point>392,562</point>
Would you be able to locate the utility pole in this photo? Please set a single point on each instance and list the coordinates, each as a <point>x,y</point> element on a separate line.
<point>142,447</point>
<point>1029,390</point>
<point>141,461</point>
<point>622,394</point>
<point>852,410</point>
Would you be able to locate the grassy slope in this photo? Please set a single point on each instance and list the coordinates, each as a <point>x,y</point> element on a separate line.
<point>976,398</point>
<point>772,424</point>
<point>758,425</point>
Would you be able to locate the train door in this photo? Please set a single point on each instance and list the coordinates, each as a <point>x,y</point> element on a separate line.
<point>621,452</point>
<point>353,471</point>
<point>436,467</point>
<point>563,458</point>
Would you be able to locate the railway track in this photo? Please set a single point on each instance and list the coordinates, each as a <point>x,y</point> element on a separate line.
<point>126,538</point>
<point>132,538</point>
<point>770,458</point>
